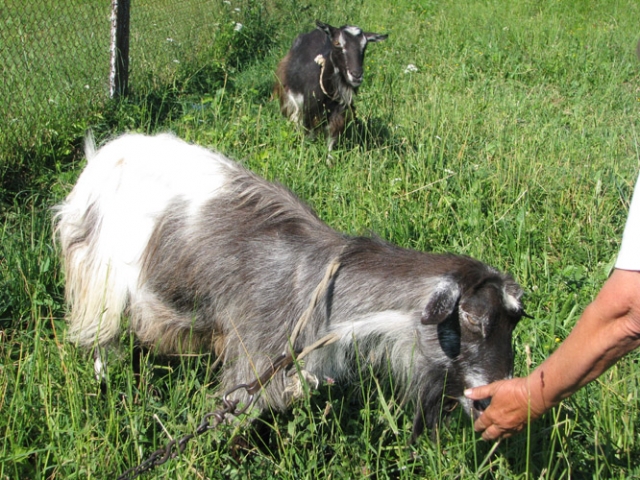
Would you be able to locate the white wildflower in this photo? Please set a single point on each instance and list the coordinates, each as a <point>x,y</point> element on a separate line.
<point>411,68</point>
<point>238,27</point>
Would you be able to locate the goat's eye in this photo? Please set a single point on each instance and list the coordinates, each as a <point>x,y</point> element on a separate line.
<point>469,318</point>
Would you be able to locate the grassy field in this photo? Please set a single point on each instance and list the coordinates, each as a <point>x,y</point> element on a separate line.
<point>516,141</point>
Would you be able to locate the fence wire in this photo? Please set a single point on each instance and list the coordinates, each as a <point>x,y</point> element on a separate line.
<point>54,57</point>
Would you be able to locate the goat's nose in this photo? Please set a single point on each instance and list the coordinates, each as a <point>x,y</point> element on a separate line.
<point>355,78</point>
<point>481,405</point>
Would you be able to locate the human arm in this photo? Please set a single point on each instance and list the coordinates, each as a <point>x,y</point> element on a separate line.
<point>607,330</point>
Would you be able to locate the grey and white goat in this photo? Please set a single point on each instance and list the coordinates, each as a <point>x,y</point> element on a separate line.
<point>201,253</point>
<point>319,77</point>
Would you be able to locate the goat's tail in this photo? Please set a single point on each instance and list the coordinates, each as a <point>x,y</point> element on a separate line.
<point>279,88</point>
<point>90,149</point>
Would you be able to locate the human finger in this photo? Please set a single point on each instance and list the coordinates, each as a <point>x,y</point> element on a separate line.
<point>480,393</point>
<point>480,425</point>
<point>492,433</point>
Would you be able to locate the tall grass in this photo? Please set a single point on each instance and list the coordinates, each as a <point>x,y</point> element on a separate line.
<point>515,141</point>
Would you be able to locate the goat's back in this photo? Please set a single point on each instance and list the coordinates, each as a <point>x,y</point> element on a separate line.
<point>157,225</point>
<point>302,68</point>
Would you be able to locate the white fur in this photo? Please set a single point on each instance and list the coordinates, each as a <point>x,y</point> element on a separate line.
<point>474,379</point>
<point>294,102</point>
<point>397,330</point>
<point>511,302</point>
<point>98,366</point>
<point>121,182</point>
<point>355,31</point>
<point>390,322</point>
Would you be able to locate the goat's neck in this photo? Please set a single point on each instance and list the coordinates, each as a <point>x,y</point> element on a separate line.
<point>395,280</point>
<point>333,84</point>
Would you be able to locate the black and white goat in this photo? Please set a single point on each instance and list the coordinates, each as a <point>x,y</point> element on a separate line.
<point>201,253</point>
<point>318,78</point>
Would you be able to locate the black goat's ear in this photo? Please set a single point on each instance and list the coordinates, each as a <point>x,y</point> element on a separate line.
<point>375,37</point>
<point>325,27</point>
<point>442,304</point>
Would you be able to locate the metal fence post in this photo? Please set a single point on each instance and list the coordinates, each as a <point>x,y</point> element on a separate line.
<point>119,74</point>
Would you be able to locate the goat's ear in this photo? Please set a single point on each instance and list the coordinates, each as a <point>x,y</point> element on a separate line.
<point>442,304</point>
<point>375,37</point>
<point>325,27</point>
<point>513,295</point>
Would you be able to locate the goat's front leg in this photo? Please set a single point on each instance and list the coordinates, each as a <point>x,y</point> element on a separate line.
<point>335,128</point>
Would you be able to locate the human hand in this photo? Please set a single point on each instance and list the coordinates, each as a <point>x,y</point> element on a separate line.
<point>510,410</point>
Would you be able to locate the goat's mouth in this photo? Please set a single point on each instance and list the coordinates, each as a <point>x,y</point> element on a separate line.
<point>474,408</point>
<point>354,80</point>
<point>479,406</point>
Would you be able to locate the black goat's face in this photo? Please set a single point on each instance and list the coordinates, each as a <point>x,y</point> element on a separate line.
<point>474,330</point>
<point>348,44</point>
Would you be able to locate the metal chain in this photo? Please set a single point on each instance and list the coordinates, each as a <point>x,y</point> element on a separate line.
<point>211,420</point>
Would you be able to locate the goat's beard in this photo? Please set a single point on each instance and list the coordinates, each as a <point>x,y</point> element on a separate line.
<point>428,411</point>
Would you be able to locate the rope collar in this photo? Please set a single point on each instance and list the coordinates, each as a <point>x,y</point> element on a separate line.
<point>320,60</point>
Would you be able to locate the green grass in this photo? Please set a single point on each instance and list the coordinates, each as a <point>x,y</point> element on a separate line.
<point>516,142</point>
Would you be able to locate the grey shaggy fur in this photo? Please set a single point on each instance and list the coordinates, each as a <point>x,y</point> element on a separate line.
<point>235,277</point>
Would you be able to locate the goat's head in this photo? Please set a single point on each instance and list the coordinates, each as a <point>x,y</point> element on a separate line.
<point>474,323</point>
<point>348,44</point>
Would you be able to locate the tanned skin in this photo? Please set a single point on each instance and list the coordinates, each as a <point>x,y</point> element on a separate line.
<point>608,329</point>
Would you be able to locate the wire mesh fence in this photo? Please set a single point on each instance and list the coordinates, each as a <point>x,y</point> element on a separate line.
<point>55,57</point>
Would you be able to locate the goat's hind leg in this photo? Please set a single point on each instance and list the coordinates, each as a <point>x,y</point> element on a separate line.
<point>100,356</point>
<point>100,367</point>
